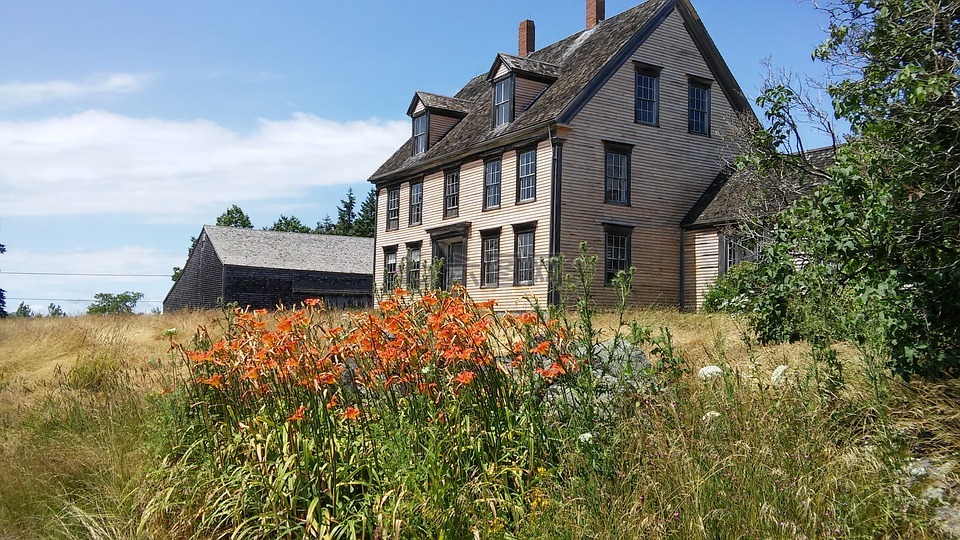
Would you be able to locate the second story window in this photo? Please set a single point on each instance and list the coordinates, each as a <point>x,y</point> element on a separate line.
<point>527,176</point>
<point>416,203</point>
<point>647,96</point>
<point>451,194</point>
<point>698,110</point>
<point>393,208</point>
<point>617,173</point>
<point>502,102</point>
<point>491,184</point>
<point>419,134</point>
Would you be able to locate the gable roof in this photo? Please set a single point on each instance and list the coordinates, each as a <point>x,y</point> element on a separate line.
<point>724,200</point>
<point>581,64</point>
<point>439,103</point>
<point>291,251</point>
<point>524,66</point>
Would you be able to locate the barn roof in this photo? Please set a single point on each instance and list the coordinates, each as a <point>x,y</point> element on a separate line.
<point>291,251</point>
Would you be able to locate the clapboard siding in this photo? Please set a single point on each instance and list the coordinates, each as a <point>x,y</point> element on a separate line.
<point>701,264</point>
<point>439,126</point>
<point>670,167</point>
<point>526,91</point>
<point>509,297</point>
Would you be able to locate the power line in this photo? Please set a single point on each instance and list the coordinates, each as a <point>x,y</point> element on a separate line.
<point>73,300</point>
<point>81,274</point>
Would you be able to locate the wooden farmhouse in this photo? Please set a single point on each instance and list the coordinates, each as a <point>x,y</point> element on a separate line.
<point>262,269</point>
<point>610,137</point>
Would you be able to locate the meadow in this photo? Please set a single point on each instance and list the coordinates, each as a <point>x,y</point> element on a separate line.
<point>435,417</point>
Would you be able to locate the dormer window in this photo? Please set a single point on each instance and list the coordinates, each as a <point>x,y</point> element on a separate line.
<point>503,102</point>
<point>420,134</point>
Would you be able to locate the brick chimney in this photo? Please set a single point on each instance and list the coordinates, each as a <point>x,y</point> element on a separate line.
<point>527,42</point>
<point>595,12</point>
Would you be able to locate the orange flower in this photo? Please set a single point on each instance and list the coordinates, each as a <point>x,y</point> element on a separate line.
<point>215,381</point>
<point>542,348</point>
<point>526,318</point>
<point>552,372</point>
<point>298,414</point>
<point>352,413</point>
<point>285,324</point>
<point>464,378</point>
<point>313,302</point>
<point>332,404</point>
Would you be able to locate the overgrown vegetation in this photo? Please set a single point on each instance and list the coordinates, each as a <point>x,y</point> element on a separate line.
<point>871,255</point>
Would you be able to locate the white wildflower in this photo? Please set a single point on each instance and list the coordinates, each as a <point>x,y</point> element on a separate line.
<point>170,332</point>
<point>779,375</point>
<point>709,372</point>
<point>586,438</point>
<point>710,415</point>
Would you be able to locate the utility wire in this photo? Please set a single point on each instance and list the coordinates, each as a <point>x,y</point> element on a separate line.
<point>72,300</point>
<point>81,274</point>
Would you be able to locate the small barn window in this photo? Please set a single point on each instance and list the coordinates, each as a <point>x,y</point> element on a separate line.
<point>393,209</point>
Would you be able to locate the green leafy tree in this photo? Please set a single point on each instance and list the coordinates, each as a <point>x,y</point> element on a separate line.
<point>234,217</point>
<point>365,223</point>
<point>23,311</point>
<point>54,310</point>
<point>114,304</point>
<point>289,224</point>
<point>879,242</point>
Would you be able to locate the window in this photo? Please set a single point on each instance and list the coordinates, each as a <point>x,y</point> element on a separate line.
<point>490,259</point>
<point>502,102</point>
<point>416,203</point>
<point>389,267</point>
<point>617,251</point>
<point>413,267</point>
<point>732,252</point>
<point>647,96</point>
<point>420,134</point>
<point>523,255</point>
<point>698,116</point>
<point>527,176</point>
<point>451,194</point>
<point>617,173</point>
<point>393,208</point>
<point>491,184</point>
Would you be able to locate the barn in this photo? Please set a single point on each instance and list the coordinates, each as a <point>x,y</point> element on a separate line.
<point>262,269</point>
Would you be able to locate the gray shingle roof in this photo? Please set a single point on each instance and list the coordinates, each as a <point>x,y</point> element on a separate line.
<point>529,65</point>
<point>438,102</point>
<point>291,251</point>
<point>578,58</point>
<point>732,192</point>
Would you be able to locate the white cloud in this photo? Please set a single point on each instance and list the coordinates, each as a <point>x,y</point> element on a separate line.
<point>98,162</point>
<point>75,292</point>
<point>20,94</point>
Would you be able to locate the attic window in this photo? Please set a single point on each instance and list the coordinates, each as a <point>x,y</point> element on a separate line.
<point>503,102</point>
<point>419,134</point>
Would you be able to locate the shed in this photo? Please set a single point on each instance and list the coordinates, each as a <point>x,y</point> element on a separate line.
<point>262,269</point>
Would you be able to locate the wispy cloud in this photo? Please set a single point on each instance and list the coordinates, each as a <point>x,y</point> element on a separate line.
<point>98,162</point>
<point>23,94</point>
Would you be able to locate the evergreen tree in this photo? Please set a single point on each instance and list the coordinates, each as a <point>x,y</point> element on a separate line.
<point>289,224</point>
<point>346,214</point>
<point>365,223</point>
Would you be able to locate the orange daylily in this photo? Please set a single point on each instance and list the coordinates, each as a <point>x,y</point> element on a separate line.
<point>464,378</point>
<point>352,413</point>
<point>298,414</point>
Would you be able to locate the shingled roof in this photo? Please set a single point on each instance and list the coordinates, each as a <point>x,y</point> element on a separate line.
<point>291,251</point>
<point>438,102</point>
<point>723,202</point>
<point>580,63</point>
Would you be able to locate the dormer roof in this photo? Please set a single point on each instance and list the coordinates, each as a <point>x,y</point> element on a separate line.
<point>442,104</point>
<point>525,67</point>
<point>581,64</point>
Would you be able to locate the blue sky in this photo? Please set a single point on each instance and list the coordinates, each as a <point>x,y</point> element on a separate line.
<point>126,125</point>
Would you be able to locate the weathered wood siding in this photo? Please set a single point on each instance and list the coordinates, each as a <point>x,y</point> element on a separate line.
<point>526,92</point>
<point>701,258</point>
<point>268,287</point>
<point>419,108</point>
<point>510,213</point>
<point>201,283</point>
<point>670,168</point>
<point>439,126</point>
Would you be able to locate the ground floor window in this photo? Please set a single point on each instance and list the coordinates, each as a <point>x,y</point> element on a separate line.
<point>490,260</point>
<point>616,252</point>
<point>390,267</point>
<point>524,254</point>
